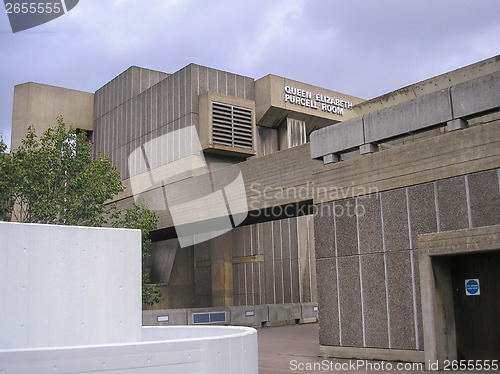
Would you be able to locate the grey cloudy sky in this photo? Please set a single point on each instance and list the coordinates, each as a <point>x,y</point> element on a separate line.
<point>362,48</point>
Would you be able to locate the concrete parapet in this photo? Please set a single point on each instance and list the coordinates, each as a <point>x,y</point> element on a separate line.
<point>413,115</point>
<point>478,95</point>
<point>452,105</point>
<point>251,315</point>
<point>164,317</point>
<point>214,316</point>
<point>338,137</point>
<point>309,311</point>
<point>285,312</point>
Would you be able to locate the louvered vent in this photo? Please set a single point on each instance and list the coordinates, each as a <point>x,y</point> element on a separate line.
<point>232,126</point>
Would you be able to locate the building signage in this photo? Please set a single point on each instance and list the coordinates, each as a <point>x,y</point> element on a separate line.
<point>472,287</point>
<point>324,103</point>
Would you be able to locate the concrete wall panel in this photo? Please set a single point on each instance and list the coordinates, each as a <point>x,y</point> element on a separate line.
<point>269,282</point>
<point>422,206</point>
<point>277,248</point>
<point>370,224</point>
<point>401,308</point>
<point>202,251</point>
<point>69,285</point>
<point>240,86</point>
<point>306,261</point>
<point>212,80</point>
<point>345,226</point>
<point>203,281</point>
<point>287,265</point>
<point>374,301</point>
<point>324,237</point>
<point>393,274</point>
<point>351,319</point>
<point>418,300</point>
<point>249,284</point>
<point>183,91</point>
<point>203,80</point>
<point>193,88</point>
<point>249,88</point>
<point>296,285</point>
<point>231,84</point>
<point>278,282</point>
<point>452,204</point>
<point>329,333</point>
<point>222,82</point>
<point>395,220</point>
<point>484,198</point>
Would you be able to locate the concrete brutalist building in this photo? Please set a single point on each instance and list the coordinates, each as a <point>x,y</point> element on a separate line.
<point>384,213</point>
<point>269,259</point>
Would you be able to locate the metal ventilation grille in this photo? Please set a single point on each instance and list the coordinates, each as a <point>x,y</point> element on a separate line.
<point>232,126</point>
<point>209,317</point>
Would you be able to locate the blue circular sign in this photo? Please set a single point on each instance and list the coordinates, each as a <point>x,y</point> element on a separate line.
<point>472,287</point>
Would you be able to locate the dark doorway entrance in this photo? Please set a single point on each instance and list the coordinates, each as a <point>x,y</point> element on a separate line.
<point>477,315</point>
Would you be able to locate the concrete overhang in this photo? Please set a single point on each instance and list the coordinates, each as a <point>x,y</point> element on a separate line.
<point>278,97</point>
<point>39,105</point>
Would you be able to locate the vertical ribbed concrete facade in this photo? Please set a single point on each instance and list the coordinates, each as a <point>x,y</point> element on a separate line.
<point>141,104</point>
<point>272,262</point>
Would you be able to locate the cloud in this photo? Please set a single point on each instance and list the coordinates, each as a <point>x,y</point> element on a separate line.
<point>276,25</point>
<point>363,48</point>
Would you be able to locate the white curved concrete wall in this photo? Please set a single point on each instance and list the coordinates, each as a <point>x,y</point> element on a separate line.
<point>171,349</point>
<point>70,302</point>
<point>64,285</point>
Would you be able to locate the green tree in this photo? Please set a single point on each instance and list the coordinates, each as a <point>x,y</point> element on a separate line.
<point>6,201</point>
<point>140,217</point>
<point>53,179</point>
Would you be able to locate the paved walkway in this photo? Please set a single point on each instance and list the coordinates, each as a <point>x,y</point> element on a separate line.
<point>279,346</point>
<point>295,349</point>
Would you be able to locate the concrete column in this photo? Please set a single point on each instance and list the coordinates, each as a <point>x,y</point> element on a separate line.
<point>437,310</point>
<point>222,270</point>
<point>368,148</point>
<point>456,124</point>
<point>332,157</point>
